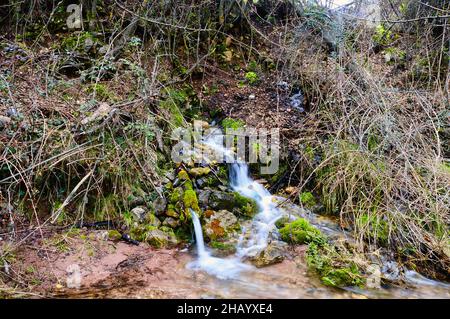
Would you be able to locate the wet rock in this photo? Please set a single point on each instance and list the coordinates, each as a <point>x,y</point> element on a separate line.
<point>171,222</point>
<point>272,254</point>
<point>199,171</point>
<point>203,196</point>
<point>221,200</point>
<point>139,213</point>
<point>159,206</point>
<point>390,270</point>
<point>219,224</point>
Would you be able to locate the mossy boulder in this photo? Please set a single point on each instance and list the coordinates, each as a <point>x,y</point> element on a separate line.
<point>159,238</point>
<point>301,231</point>
<point>231,201</point>
<point>114,235</point>
<point>152,220</point>
<point>332,268</point>
<point>222,248</point>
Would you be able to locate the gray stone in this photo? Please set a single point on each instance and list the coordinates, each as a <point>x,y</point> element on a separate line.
<point>139,213</point>
<point>171,222</point>
<point>159,206</point>
<point>152,220</point>
<point>272,254</point>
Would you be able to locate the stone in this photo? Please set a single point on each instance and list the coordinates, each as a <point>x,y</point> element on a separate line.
<point>159,206</point>
<point>136,201</point>
<point>275,252</point>
<point>171,222</point>
<point>219,224</point>
<point>152,220</point>
<point>201,124</point>
<point>114,235</point>
<point>251,97</point>
<point>199,171</point>
<point>139,213</point>
<point>158,238</point>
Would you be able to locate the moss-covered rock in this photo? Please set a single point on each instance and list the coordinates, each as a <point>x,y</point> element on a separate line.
<point>247,206</point>
<point>300,231</point>
<point>219,225</point>
<point>332,268</point>
<point>152,220</point>
<point>114,235</point>
<point>199,171</point>
<point>190,201</point>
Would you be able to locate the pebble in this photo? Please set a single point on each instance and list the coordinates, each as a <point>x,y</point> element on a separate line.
<point>251,97</point>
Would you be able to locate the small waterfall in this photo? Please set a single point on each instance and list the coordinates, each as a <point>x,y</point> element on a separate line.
<point>201,251</point>
<point>220,267</point>
<point>263,223</point>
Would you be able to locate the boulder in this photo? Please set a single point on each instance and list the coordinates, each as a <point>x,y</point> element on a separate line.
<point>159,238</point>
<point>171,222</point>
<point>219,224</point>
<point>139,213</point>
<point>159,206</point>
<point>152,220</point>
<point>272,254</point>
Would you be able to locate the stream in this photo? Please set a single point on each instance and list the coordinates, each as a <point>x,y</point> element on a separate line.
<point>198,273</point>
<point>231,277</point>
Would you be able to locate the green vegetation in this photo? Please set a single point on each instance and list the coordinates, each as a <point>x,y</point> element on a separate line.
<point>300,231</point>
<point>229,123</point>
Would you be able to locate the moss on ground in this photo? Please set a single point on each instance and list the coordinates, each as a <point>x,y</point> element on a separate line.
<point>301,231</point>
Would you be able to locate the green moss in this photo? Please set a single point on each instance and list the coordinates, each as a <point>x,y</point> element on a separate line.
<point>175,196</point>
<point>333,271</point>
<point>232,123</point>
<point>190,201</point>
<point>140,232</point>
<point>247,205</point>
<point>114,235</point>
<point>251,78</point>
<point>300,231</point>
<point>76,42</point>
<point>307,199</point>
<point>183,175</point>
<point>226,247</point>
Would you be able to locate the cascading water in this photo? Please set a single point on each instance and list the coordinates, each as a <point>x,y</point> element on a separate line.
<point>261,227</point>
